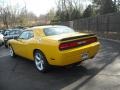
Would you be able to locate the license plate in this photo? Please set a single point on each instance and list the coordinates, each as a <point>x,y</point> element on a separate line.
<point>84,56</point>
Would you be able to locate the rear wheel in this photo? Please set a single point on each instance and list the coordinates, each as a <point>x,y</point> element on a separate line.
<point>11,51</point>
<point>40,61</point>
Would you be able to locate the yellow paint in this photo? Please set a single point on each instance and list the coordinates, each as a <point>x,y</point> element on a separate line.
<point>49,45</point>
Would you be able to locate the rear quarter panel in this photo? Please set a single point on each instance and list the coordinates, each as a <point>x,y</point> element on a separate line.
<point>48,47</point>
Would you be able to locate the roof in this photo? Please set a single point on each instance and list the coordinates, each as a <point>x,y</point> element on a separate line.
<point>46,26</point>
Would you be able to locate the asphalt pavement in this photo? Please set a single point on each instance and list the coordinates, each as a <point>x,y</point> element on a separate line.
<point>99,73</point>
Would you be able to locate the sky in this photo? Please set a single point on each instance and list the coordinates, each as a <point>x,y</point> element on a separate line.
<point>38,7</point>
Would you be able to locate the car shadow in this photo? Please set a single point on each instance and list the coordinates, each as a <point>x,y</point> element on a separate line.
<point>58,78</point>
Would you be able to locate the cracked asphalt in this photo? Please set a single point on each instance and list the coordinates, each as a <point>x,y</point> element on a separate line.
<point>99,73</point>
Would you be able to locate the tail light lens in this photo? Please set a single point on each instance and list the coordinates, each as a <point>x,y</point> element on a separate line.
<point>72,44</point>
<point>68,45</point>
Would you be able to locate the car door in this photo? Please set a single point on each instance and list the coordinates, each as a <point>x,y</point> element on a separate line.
<point>30,45</point>
<point>21,43</point>
<point>24,44</point>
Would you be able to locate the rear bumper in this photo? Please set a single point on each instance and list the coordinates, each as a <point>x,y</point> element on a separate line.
<point>72,56</point>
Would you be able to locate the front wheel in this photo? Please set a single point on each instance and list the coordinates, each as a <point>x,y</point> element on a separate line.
<point>40,61</point>
<point>11,51</point>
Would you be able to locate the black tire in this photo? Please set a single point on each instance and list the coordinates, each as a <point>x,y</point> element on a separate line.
<point>11,51</point>
<point>41,62</point>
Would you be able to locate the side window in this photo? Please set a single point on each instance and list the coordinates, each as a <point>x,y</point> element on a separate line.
<point>24,35</point>
<point>31,35</point>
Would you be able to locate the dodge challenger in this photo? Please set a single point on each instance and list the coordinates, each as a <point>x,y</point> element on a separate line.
<point>54,45</point>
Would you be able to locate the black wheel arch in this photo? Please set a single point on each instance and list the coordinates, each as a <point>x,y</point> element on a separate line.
<point>40,52</point>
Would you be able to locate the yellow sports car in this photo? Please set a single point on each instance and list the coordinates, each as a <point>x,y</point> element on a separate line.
<point>54,45</point>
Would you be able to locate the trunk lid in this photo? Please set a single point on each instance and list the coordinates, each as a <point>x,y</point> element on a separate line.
<point>72,40</point>
<point>69,36</point>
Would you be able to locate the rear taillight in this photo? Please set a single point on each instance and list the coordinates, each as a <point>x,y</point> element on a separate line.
<point>91,40</point>
<point>67,45</point>
<point>77,43</point>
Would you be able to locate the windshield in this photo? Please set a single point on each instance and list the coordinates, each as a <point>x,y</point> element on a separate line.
<point>57,30</point>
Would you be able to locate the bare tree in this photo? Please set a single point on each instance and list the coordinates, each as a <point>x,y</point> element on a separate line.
<point>68,9</point>
<point>12,16</point>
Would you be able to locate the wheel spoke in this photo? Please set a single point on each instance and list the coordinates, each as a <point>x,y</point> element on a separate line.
<point>37,57</point>
<point>41,65</point>
<point>39,61</point>
<point>11,51</point>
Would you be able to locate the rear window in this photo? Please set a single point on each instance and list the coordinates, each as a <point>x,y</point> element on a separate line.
<point>57,30</point>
